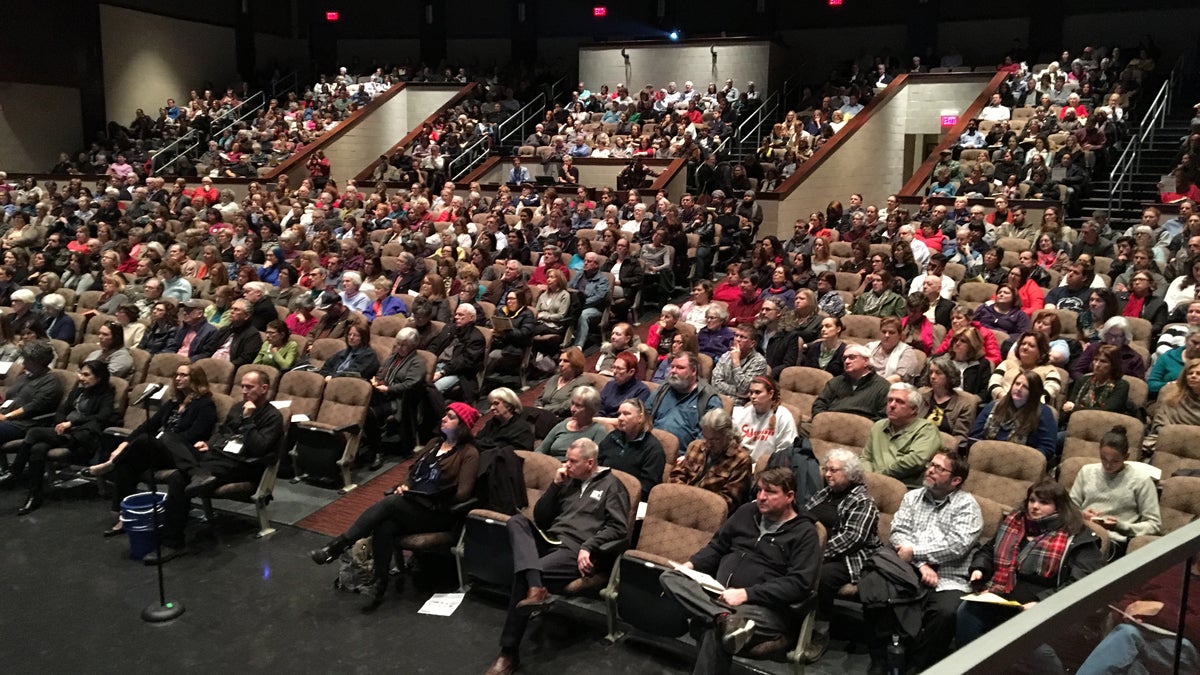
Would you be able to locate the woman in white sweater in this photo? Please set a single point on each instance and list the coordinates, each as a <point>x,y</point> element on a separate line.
<point>1120,498</point>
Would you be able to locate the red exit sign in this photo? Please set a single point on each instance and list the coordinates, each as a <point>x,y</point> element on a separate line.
<point>949,120</point>
<point>599,11</point>
<point>835,3</point>
<point>332,16</point>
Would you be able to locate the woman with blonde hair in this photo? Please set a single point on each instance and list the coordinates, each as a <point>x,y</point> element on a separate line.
<point>632,448</point>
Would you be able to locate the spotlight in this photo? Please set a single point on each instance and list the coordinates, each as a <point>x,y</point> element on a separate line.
<point>674,35</point>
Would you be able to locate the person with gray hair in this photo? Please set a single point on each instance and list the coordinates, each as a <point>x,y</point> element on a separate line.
<point>716,462</point>
<point>585,403</point>
<point>901,444</point>
<point>505,429</point>
<point>949,408</point>
<point>846,509</point>
<point>858,390</point>
<point>399,405</point>
<point>1116,332</point>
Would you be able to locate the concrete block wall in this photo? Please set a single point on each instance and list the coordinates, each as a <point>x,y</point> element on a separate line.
<point>658,64</point>
<point>150,58</point>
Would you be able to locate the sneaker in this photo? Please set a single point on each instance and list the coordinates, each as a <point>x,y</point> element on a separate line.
<point>817,644</point>
<point>737,634</point>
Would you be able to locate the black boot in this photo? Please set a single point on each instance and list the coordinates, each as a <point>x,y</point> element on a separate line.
<point>331,551</point>
<point>37,471</point>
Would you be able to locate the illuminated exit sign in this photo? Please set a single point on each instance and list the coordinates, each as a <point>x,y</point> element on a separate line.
<point>949,120</point>
<point>599,11</point>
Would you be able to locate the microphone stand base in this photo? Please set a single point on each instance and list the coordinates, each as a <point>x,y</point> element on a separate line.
<point>162,612</point>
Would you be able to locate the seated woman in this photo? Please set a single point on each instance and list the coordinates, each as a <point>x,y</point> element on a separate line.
<point>851,522</point>
<point>59,326</point>
<point>356,360</point>
<point>623,339</point>
<point>1046,322</point>
<point>1115,332</point>
<point>825,353</point>
<point>277,351</point>
<point>164,321</point>
<point>632,448</point>
<point>682,342</point>
<point>1123,500</point>
<point>729,289</point>
<point>1179,401</point>
<point>1040,547</point>
<point>829,301</point>
<point>1020,417</point>
<point>302,320</point>
<point>554,403</point>
<point>166,440</point>
<point>551,312</point>
<point>1003,312</point>
<point>1032,353</point>
<point>880,300</point>
<point>112,350</point>
<point>623,386</point>
<point>917,329</point>
<point>513,326</point>
<point>966,355</point>
<point>1031,296</point>
<point>780,289</point>
<point>660,333</point>
<point>716,462</point>
<point>949,407</point>
<point>81,419</point>
<point>1143,303</point>
<point>585,402</point>
<point>1105,388</point>
<point>505,428</point>
<point>693,311</point>
<point>715,338</point>
<point>381,301</point>
<point>442,475</point>
<point>1102,306</point>
<point>113,295</point>
<point>805,321</point>
<point>765,426</point>
<point>892,359</point>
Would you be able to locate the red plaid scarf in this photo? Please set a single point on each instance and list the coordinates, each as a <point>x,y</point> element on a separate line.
<point>1042,556</point>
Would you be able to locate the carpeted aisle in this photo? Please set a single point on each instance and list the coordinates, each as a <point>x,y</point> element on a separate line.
<point>337,517</point>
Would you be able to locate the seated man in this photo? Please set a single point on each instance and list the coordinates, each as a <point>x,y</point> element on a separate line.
<point>936,530</point>
<point>36,392</point>
<point>398,402</point>
<point>901,445</point>
<point>460,350</point>
<point>242,448</point>
<point>585,507</point>
<point>742,363</point>
<point>768,557</point>
<point>238,343</point>
<point>858,390</point>
<point>678,407</point>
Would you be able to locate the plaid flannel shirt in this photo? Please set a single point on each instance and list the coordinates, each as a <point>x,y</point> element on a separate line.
<point>857,536</point>
<point>943,534</point>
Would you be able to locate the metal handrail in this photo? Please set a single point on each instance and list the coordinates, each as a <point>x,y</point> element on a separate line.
<point>1129,163</point>
<point>526,113</point>
<point>292,81</point>
<point>742,134</point>
<point>193,138</point>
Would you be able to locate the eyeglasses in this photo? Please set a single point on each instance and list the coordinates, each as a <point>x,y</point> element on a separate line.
<point>936,467</point>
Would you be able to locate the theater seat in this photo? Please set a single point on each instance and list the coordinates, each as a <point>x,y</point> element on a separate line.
<point>328,444</point>
<point>259,494</point>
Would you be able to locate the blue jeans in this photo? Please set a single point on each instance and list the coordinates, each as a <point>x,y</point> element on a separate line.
<point>445,383</point>
<point>581,329</point>
<point>1130,650</point>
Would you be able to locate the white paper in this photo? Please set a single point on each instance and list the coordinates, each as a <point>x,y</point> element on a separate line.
<point>299,417</point>
<point>158,395</point>
<point>281,404</point>
<point>641,512</point>
<point>442,604</point>
<point>706,581</point>
<point>4,367</point>
<point>413,293</point>
<point>233,447</point>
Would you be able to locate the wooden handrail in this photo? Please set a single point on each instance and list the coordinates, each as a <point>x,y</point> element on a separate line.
<point>820,155</point>
<point>668,174</point>
<point>484,167</point>
<point>327,138</point>
<point>365,174</point>
<point>913,186</point>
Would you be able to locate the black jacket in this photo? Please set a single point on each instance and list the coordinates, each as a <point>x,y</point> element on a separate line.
<point>362,363</point>
<point>513,342</point>
<point>162,337</point>
<point>776,570</point>
<point>812,358</point>
<point>194,424</point>
<point>35,396</point>
<point>516,434</point>
<point>584,516</point>
<point>244,348</point>
<point>631,274</point>
<point>1154,310</point>
<point>643,458</point>
<point>88,411</point>
<point>782,351</point>
<point>467,357</point>
<point>261,435</point>
<point>262,313</point>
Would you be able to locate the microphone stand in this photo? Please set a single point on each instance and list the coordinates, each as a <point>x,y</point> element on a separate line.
<point>162,610</point>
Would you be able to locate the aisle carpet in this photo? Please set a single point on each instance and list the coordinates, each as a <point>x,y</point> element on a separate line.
<point>337,517</point>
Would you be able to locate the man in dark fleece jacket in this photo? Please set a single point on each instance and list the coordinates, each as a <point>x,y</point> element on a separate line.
<point>585,507</point>
<point>767,557</point>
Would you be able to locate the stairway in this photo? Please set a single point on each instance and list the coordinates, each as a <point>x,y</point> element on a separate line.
<point>1157,157</point>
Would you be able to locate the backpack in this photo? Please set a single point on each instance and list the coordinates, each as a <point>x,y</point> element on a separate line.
<point>500,485</point>
<point>356,569</point>
<point>805,467</point>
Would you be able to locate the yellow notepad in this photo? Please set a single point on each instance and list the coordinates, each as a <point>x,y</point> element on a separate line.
<point>991,599</point>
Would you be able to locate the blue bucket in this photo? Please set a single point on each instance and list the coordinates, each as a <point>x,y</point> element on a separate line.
<point>137,518</point>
